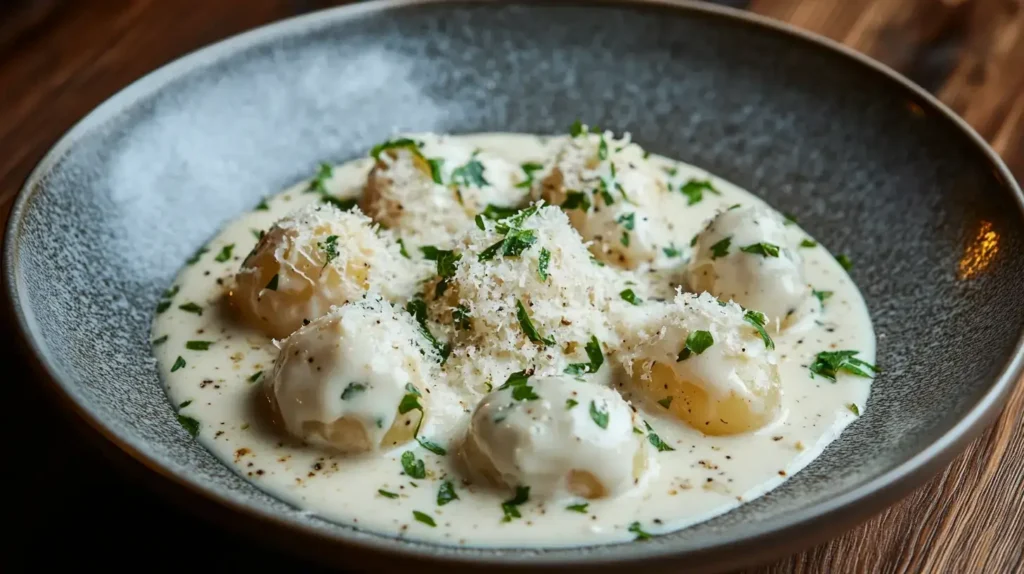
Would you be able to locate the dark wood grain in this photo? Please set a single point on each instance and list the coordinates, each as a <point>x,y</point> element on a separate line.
<point>61,58</point>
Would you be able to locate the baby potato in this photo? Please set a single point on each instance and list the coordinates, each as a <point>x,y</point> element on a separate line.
<point>557,435</point>
<point>312,259</point>
<point>354,380</point>
<point>710,366</point>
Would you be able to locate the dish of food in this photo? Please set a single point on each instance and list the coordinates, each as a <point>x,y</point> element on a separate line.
<point>527,336</point>
<point>870,167</point>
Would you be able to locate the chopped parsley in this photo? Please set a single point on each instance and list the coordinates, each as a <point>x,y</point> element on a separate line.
<point>528,328</point>
<point>169,293</point>
<point>510,507</point>
<point>330,248</point>
<point>576,200</point>
<point>410,400</point>
<point>844,261</point>
<point>162,306</point>
<point>185,404</point>
<point>341,204</point>
<point>195,256</point>
<point>272,284</point>
<point>323,173</point>
<point>808,243</point>
<point>789,219</point>
<point>630,297</point>
<point>596,356</point>
<point>418,309</point>
<point>461,317</point>
<point>352,390</point>
<point>693,242</point>
<point>401,248</point>
<point>178,363</point>
<point>198,345</point>
<point>763,249</point>
<point>386,494</point>
<point>412,466</point>
<point>570,403</point>
<point>829,363</point>
<point>432,446</point>
<point>404,143</point>
<point>854,408</point>
<point>497,212</point>
<point>471,174</point>
<point>446,262</point>
<point>694,190</point>
<point>640,534</point>
<point>529,169</point>
<point>721,249</point>
<point>602,149</point>
<point>627,220</point>
<point>262,205</point>
<point>581,507</point>
<point>655,440</point>
<point>159,341</point>
<point>255,376</point>
<point>624,239</point>
<point>821,295</point>
<point>513,245</point>
<point>542,264</point>
<point>225,253</point>
<point>424,518</point>
<point>577,129</point>
<point>521,391</point>
<point>446,493</point>
<point>599,414</point>
<point>191,307</point>
<point>671,251</point>
<point>191,425</point>
<point>665,402</point>
<point>696,343</point>
<point>514,221</point>
<point>435,170</point>
<point>758,320</point>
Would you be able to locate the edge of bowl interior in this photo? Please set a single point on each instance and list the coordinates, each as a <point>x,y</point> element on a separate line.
<point>798,530</point>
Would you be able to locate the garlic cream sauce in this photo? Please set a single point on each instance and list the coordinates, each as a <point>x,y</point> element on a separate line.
<point>216,384</point>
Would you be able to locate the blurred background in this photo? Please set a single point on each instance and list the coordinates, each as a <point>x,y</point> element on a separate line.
<point>61,58</point>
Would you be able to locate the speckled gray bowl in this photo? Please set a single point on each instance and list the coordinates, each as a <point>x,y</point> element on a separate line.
<point>870,164</point>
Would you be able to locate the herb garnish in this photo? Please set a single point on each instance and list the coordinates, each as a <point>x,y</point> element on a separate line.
<point>412,466</point>
<point>696,343</point>
<point>341,204</point>
<point>581,507</point>
<point>528,328</point>
<point>410,400</point>
<point>255,376</point>
<point>509,507</point>
<point>424,518</point>
<point>185,404</point>
<point>529,169</point>
<point>577,129</point>
<point>789,219</point>
<point>694,190</point>
<point>542,264</point>
<point>576,200</point>
<point>178,363</point>
<point>630,297</point>
<point>854,408</point>
<point>404,143</point>
<point>655,440</point>
<point>624,239</point>
<point>498,212</point>
<point>198,345</point>
<point>640,534</point>
<point>808,243</point>
<point>721,249</point>
<point>225,253</point>
<point>159,341</point>
<point>461,318</point>
<point>763,249</point>
<point>418,309</point>
<point>435,170</point>
<point>432,446</point>
<point>627,220</point>
<point>446,493</point>
<point>570,403</point>
<point>757,319</point>
<point>599,414</point>
<point>665,402</point>
<point>521,391</point>
<point>386,494</point>
<point>401,248</point>
<point>602,149</point>
<point>317,184</point>
<point>191,307</point>
<point>446,261</point>
<point>191,425</point>
<point>671,251</point>
<point>352,390</point>
<point>195,256</point>
<point>596,356</point>
<point>330,248</point>
<point>471,174</point>
<point>262,205</point>
<point>829,363</point>
<point>512,245</point>
<point>821,295</point>
<point>844,261</point>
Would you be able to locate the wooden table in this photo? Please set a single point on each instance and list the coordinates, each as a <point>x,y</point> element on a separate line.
<point>59,59</point>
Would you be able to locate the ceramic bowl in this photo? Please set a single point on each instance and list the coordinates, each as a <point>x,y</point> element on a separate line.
<point>869,164</point>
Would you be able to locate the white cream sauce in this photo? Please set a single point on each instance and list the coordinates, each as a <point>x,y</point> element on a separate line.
<point>704,476</point>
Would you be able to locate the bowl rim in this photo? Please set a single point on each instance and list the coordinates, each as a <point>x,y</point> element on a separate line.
<point>788,533</point>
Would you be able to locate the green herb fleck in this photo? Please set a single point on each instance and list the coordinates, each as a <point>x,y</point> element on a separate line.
<point>435,170</point>
<point>178,364</point>
<point>498,212</point>
<point>461,317</point>
<point>808,243</point>
<point>844,261</point>
<point>665,402</point>
<point>198,345</point>
<point>630,297</point>
<point>432,446</point>
<point>225,253</point>
<point>854,408</point>
<point>196,256</point>
<point>255,376</point>
<point>696,343</point>
<point>542,264</point>
<point>721,249</point>
<point>595,356</point>
<point>599,414</point>
<point>627,220</point>
<point>341,204</point>
<point>185,404</point>
<point>624,239</point>
<point>529,169</point>
<point>471,174</point>
<point>191,307</point>
<point>671,251</point>
<point>403,143</point>
<point>386,494</point>
<point>317,184</point>
<point>401,248</point>
<point>763,249</point>
<point>655,440</point>
<point>577,129</point>
<point>821,295</point>
<point>512,245</point>
<point>412,466</point>
<point>262,205</point>
<point>159,341</point>
<point>258,233</point>
<point>576,200</point>
<point>790,219</point>
<point>190,424</point>
<point>570,403</point>
<point>829,363</point>
<point>162,306</point>
<point>528,328</point>
<point>446,493</point>
<point>602,149</point>
<point>521,391</point>
<point>352,390</point>
<point>510,507</point>
<point>581,508</point>
<point>330,248</point>
<point>424,518</point>
<point>418,309</point>
<point>693,242</point>
<point>694,190</point>
<point>640,534</point>
<point>758,320</point>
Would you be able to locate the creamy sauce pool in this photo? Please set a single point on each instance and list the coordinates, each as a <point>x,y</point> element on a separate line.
<point>219,394</point>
